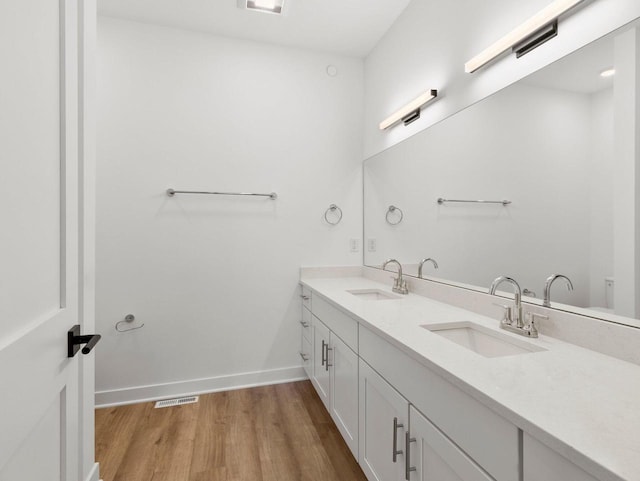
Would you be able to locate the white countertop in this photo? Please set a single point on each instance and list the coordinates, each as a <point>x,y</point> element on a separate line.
<point>582,404</point>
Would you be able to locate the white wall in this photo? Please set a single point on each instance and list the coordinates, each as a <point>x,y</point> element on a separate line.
<point>430,42</point>
<point>601,194</point>
<point>626,182</point>
<point>527,144</point>
<point>215,279</point>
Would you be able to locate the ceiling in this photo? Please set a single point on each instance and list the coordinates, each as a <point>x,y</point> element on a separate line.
<point>350,27</point>
<point>580,71</point>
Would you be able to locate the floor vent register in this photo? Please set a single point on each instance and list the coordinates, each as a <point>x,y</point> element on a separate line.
<point>177,402</point>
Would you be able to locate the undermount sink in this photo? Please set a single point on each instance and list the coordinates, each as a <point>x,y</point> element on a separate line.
<point>482,340</point>
<point>372,294</point>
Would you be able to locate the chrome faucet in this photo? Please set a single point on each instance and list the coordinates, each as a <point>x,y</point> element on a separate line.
<point>547,287</point>
<point>515,322</point>
<point>428,259</point>
<point>400,285</point>
<point>517,315</point>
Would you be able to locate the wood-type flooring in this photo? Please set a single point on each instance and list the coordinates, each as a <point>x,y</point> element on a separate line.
<point>270,433</point>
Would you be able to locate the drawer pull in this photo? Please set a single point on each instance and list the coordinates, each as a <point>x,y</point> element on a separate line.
<point>396,451</point>
<point>304,323</point>
<point>407,458</point>
<point>305,297</point>
<point>304,357</point>
<point>323,358</point>
<point>327,365</point>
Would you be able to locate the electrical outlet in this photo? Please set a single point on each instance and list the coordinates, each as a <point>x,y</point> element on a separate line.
<point>372,244</point>
<point>354,245</point>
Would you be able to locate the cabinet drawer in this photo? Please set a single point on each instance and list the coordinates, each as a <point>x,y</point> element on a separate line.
<point>307,356</point>
<point>489,439</point>
<point>342,325</point>
<point>305,295</point>
<point>305,323</point>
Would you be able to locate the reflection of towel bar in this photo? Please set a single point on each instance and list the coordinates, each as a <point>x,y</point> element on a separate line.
<point>391,210</point>
<point>503,202</point>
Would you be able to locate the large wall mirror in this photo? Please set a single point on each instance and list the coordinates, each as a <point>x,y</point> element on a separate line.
<point>558,147</point>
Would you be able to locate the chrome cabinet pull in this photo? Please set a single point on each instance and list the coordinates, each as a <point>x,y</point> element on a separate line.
<point>304,357</point>
<point>407,458</point>
<point>327,365</point>
<point>323,358</point>
<point>396,451</point>
<point>304,323</point>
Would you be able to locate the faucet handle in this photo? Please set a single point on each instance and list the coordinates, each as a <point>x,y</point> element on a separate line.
<point>532,322</point>
<point>506,319</point>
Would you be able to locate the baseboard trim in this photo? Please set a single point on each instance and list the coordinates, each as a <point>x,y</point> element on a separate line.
<point>154,392</point>
<point>94,474</point>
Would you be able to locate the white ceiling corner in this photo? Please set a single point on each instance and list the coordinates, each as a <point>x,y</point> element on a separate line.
<point>348,27</point>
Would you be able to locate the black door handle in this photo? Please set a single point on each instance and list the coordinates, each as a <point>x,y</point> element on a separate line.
<point>74,339</point>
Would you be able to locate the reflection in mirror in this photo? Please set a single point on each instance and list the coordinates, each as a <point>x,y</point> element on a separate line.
<point>548,145</point>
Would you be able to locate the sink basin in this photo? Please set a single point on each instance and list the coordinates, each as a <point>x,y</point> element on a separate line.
<point>372,294</point>
<point>482,340</point>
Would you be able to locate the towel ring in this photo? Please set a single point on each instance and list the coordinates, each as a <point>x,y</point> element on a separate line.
<point>392,209</point>
<point>129,318</point>
<point>333,208</point>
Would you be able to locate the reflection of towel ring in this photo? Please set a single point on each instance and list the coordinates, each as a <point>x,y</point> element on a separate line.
<point>128,318</point>
<point>333,208</point>
<point>392,209</point>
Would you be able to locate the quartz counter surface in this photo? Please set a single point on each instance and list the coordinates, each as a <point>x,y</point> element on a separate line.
<point>582,404</point>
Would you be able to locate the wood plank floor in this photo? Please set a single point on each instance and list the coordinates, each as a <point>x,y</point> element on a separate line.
<point>270,433</point>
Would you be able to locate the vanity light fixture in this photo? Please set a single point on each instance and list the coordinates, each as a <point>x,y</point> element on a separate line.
<point>267,6</point>
<point>610,72</point>
<point>532,33</point>
<point>410,112</point>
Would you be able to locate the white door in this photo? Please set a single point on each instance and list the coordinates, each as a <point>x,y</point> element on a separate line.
<point>320,369</point>
<point>344,391</point>
<point>433,457</point>
<point>384,417</point>
<point>40,420</point>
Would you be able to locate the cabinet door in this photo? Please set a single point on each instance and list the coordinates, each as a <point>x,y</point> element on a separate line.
<point>544,464</point>
<point>380,405</point>
<point>344,391</point>
<point>433,457</point>
<point>320,372</point>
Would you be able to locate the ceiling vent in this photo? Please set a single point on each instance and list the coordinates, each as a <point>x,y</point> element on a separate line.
<point>265,6</point>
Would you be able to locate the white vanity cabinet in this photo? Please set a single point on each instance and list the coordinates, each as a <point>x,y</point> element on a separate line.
<point>406,418</point>
<point>320,375</point>
<point>343,364</point>
<point>306,341</point>
<point>334,370</point>
<point>433,457</point>
<point>492,442</point>
<point>544,464</point>
<point>398,443</point>
<point>383,420</point>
